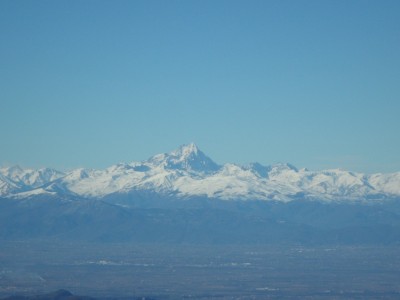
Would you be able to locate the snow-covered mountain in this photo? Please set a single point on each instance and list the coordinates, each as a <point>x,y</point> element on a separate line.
<point>187,172</point>
<point>15,179</point>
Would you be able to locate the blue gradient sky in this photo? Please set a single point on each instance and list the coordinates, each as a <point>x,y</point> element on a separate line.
<point>93,83</point>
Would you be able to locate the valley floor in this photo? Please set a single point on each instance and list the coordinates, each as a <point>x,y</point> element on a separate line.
<point>200,272</point>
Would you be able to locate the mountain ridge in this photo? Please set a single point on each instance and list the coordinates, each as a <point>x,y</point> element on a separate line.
<point>188,172</point>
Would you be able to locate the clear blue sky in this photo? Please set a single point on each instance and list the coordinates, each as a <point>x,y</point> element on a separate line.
<point>93,83</point>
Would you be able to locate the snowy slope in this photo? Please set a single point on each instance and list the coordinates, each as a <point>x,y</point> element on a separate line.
<point>188,172</point>
<point>30,177</point>
<point>8,186</point>
<point>15,179</point>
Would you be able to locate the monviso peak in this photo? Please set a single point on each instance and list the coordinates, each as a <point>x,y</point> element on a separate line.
<point>190,158</point>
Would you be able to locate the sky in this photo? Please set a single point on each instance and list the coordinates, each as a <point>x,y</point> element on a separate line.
<point>94,83</point>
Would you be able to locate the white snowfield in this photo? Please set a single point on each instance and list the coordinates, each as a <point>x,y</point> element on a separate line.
<point>187,172</point>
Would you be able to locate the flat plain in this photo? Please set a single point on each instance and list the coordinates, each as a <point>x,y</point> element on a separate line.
<point>162,271</point>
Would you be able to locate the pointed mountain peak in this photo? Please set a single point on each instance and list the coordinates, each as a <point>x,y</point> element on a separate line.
<point>283,167</point>
<point>186,150</point>
<point>12,171</point>
<point>78,174</point>
<point>187,157</point>
<point>257,168</point>
<point>15,168</point>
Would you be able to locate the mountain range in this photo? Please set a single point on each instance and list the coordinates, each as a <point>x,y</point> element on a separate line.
<point>185,197</point>
<point>188,173</point>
